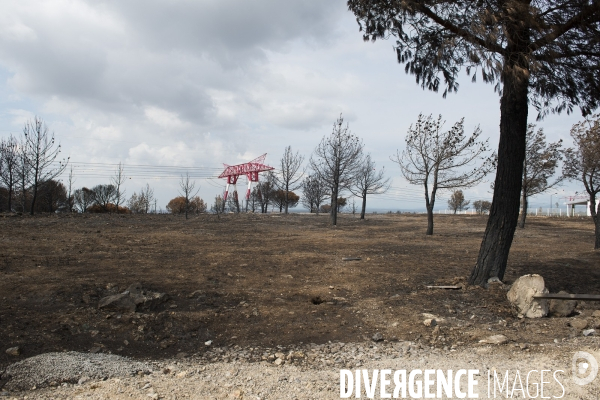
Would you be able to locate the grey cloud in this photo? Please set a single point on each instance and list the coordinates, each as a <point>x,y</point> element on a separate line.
<point>120,57</point>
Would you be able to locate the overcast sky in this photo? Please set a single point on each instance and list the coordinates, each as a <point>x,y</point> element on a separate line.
<point>200,83</point>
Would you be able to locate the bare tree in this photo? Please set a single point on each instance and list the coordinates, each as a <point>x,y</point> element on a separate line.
<point>266,191</point>
<point>583,164</point>
<point>70,199</point>
<point>9,166</point>
<point>336,162</point>
<point>457,201</point>
<point>254,200</point>
<point>289,176</point>
<point>437,160</point>
<point>104,196</point>
<point>187,191</point>
<point>314,193</point>
<point>218,205</point>
<point>541,160</point>
<point>147,194</point>
<point>482,206</point>
<point>118,180</point>
<point>41,154</point>
<point>83,198</point>
<point>24,175</point>
<point>369,181</point>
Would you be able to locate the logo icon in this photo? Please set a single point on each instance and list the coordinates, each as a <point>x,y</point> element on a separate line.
<point>585,368</point>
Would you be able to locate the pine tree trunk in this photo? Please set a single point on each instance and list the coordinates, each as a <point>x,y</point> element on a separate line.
<point>429,220</point>
<point>596,218</point>
<point>504,213</point>
<point>524,212</point>
<point>597,223</point>
<point>333,211</point>
<point>364,206</point>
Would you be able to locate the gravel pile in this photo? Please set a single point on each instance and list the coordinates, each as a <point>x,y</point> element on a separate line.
<point>52,369</point>
<point>303,373</point>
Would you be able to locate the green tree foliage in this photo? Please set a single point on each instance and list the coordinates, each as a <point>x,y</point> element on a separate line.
<point>544,53</point>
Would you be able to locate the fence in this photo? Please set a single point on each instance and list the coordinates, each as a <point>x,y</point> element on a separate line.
<point>538,212</point>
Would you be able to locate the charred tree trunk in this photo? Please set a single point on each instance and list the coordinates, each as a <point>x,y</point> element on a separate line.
<point>597,224</point>
<point>364,206</point>
<point>594,212</point>
<point>524,212</point>
<point>504,213</point>
<point>333,211</point>
<point>429,220</point>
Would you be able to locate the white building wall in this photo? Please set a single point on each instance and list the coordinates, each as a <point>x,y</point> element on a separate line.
<point>589,214</point>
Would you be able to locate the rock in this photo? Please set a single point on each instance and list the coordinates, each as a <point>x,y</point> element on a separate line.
<point>135,298</point>
<point>521,295</point>
<point>494,279</point>
<point>562,308</point>
<point>145,299</point>
<point>278,361</point>
<point>117,302</point>
<point>579,323</point>
<point>377,337</point>
<point>495,339</point>
<point>83,380</point>
<point>14,351</point>
<point>430,322</point>
<point>208,343</point>
<point>596,314</point>
<point>589,332</point>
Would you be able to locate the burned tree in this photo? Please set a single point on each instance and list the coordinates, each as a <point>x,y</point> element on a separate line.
<point>437,160</point>
<point>540,53</point>
<point>289,176</point>
<point>457,201</point>
<point>314,193</point>
<point>118,180</point>
<point>336,162</point>
<point>368,181</point>
<point>541,160</point>
<point>9,166</point>
<point>187,191</point>
<point>40,156</point>
<point>583,164</point>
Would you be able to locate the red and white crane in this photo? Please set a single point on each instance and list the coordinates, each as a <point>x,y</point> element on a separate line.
<point>250,169</point>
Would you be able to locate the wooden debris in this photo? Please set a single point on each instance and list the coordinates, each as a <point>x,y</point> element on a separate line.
<point>564,296</point>
<point>351,259</point>
<point>452,287</point>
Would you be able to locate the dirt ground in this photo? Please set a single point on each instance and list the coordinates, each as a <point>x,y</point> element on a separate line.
<point>268,280</point>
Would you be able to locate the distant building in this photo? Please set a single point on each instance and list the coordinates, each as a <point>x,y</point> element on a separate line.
<point>579,200</point>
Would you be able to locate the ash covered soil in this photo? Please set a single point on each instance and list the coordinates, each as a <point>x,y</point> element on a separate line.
<point>259,287</point>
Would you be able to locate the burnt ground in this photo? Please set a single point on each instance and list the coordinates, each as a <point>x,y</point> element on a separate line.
<point>266,280</point>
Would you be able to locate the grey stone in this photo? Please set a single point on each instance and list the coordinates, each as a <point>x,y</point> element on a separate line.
<point>562,308</point>
<point>578,323</point>
<point>521,295</point>
<point>589,332</point>
<point>596,314</point>
<point>377,337</point>
<point>495,339</point>
<point>14,351</point>
<point>135,298</point>
<point>117,302</point>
